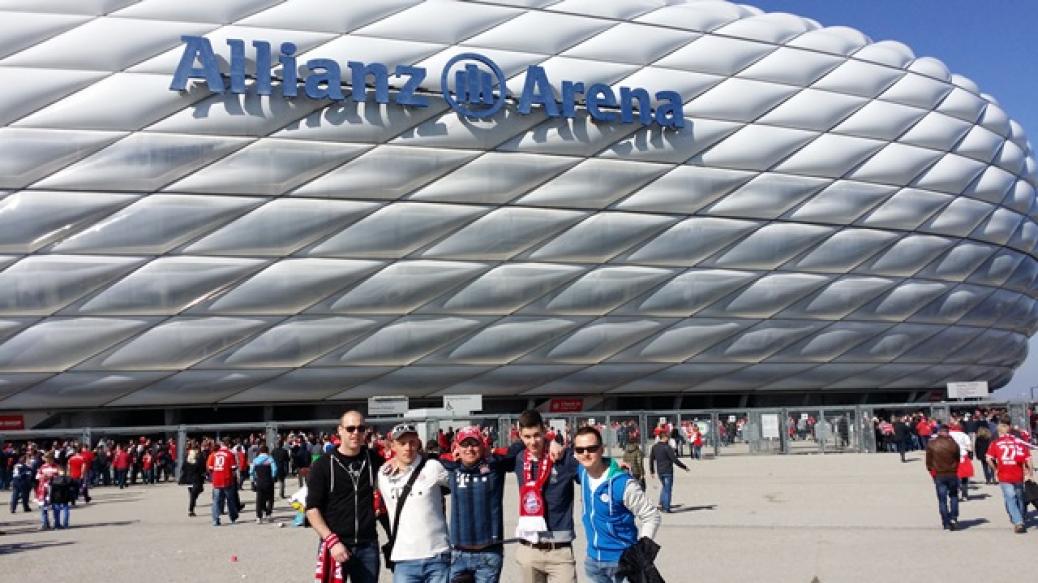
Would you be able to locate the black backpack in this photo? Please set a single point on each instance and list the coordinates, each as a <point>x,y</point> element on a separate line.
<point>60,489</point>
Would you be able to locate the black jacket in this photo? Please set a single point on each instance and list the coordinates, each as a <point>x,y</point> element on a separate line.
<point>637,562</point>
<point>192,474</point>
<point>663,458</point>
<point>280,456</point>
<point>343,489</point>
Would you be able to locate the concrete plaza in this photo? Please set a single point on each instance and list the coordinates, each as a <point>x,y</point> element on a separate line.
<point>832,518</point>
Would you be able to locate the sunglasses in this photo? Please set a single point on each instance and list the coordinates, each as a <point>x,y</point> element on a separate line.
<point>470,443</point>
<point>588,449</point>
<point>353,428</point>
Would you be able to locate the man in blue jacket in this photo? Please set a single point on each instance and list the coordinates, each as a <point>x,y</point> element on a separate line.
<point>614,504</point>
<point>545,525</point>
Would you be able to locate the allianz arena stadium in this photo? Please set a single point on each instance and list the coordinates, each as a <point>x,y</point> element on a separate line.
<point>264,202</point>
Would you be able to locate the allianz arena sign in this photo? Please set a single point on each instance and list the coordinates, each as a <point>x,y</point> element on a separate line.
<point>476,93</point>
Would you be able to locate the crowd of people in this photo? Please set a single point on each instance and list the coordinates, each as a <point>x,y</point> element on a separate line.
<point>357,478</point>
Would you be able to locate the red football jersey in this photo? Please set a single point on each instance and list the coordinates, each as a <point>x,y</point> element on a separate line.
<point>75,467</point>
<point>1010,455</point>
<point>222,465</point>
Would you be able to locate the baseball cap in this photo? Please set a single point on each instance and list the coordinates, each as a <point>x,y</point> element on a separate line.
<point>470,432</point>
<point>402,429</point>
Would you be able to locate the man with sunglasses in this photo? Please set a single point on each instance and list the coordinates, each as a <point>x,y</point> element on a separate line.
<point>340,503</point>
<point>613,503</point>
<point>477,495</point>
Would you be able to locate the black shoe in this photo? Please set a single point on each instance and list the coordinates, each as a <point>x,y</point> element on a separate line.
<point>953,525</point>
<point>191,514</point>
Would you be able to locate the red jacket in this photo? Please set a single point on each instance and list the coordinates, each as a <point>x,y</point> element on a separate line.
<point>121,460</point>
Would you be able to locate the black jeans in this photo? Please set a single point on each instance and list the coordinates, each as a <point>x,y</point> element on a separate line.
<point>264,501</point>
<point>192,496</point>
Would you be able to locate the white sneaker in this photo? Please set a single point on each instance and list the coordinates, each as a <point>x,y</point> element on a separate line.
<point>259,521</point>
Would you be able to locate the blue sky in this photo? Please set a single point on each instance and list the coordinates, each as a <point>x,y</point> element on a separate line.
<point>990,41</point>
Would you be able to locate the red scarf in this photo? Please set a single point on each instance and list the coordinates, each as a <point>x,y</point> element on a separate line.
<point>531,496</point>
<point>328,569</point>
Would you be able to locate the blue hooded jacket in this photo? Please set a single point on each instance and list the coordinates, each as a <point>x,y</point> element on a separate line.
<point>609,525</point>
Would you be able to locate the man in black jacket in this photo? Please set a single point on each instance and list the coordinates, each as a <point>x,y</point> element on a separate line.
<point>280,455</point>
<point>901,433</point>
<point>340,501</point>
<point>662,459</point>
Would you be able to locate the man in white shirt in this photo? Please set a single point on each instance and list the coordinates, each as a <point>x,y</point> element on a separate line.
<point>420,549</point>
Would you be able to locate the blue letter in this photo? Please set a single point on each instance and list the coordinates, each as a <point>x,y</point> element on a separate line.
<point>538,90</point>
<point>331,77</point>
<point>289,74</point>
<point>570,90</point>
<point>627,97</point>
<point>600,94</point>
<point>197,47</point>
<point>359,75</point>
<point>237,65</point>
<point>406,96</point>
<point>672,106</point>
<point>262,67</point>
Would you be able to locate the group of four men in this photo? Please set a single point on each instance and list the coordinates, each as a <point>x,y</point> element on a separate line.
<point>345,485</point>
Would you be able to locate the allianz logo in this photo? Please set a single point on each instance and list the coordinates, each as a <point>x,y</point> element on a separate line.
<point>472,85</point>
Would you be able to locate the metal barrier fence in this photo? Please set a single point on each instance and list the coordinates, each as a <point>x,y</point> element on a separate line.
<point>725,432</point>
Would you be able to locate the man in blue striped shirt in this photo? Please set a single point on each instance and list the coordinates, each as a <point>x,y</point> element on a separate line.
<point>477,483</point>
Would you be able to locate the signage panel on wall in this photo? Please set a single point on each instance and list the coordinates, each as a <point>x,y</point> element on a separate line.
<point>968,390</point>
<point>389,405</point>
<point>12,422</point>
<point>769,426</point>
<point>462,404</point>
<point>570,405</point>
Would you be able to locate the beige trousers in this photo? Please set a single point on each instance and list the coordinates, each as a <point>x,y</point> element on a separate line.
<point>544,566</point>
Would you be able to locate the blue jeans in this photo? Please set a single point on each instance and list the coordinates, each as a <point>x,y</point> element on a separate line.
<point>1013,494</point>
<point>485,564</point>
<point>947,495</point>
<point>430,570</point>
<point>20,491</point>
<point>120,478</point>
<point>224,496</point>
<point>60,515</point>
<point>666,486</point>
<point>602,572</point>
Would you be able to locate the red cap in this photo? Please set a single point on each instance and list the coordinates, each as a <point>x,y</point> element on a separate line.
<point>468,432</point>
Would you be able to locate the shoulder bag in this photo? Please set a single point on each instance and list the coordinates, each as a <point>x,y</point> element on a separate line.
<point>387,549</point>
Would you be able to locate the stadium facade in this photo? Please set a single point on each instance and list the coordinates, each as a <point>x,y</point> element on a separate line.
<point>669,199</point>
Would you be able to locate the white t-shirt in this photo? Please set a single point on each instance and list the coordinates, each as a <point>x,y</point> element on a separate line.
<point>423,526</point>
<point>594,483</point>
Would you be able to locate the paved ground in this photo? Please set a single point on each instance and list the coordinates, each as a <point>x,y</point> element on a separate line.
<point>833,518</point>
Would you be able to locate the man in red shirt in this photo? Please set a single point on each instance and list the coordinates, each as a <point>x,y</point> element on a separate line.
<point>121,464</point>
<point>77,473</point>
<point>222,464</point>
<point>1011,459</point>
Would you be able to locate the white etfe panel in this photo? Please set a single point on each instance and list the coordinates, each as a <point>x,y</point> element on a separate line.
<point>462,403</point>
<point>387,406</point>
<point>967,390</point>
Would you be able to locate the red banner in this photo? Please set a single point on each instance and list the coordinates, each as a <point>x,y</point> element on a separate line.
<point>574,405</point>
<point>12,422</point>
